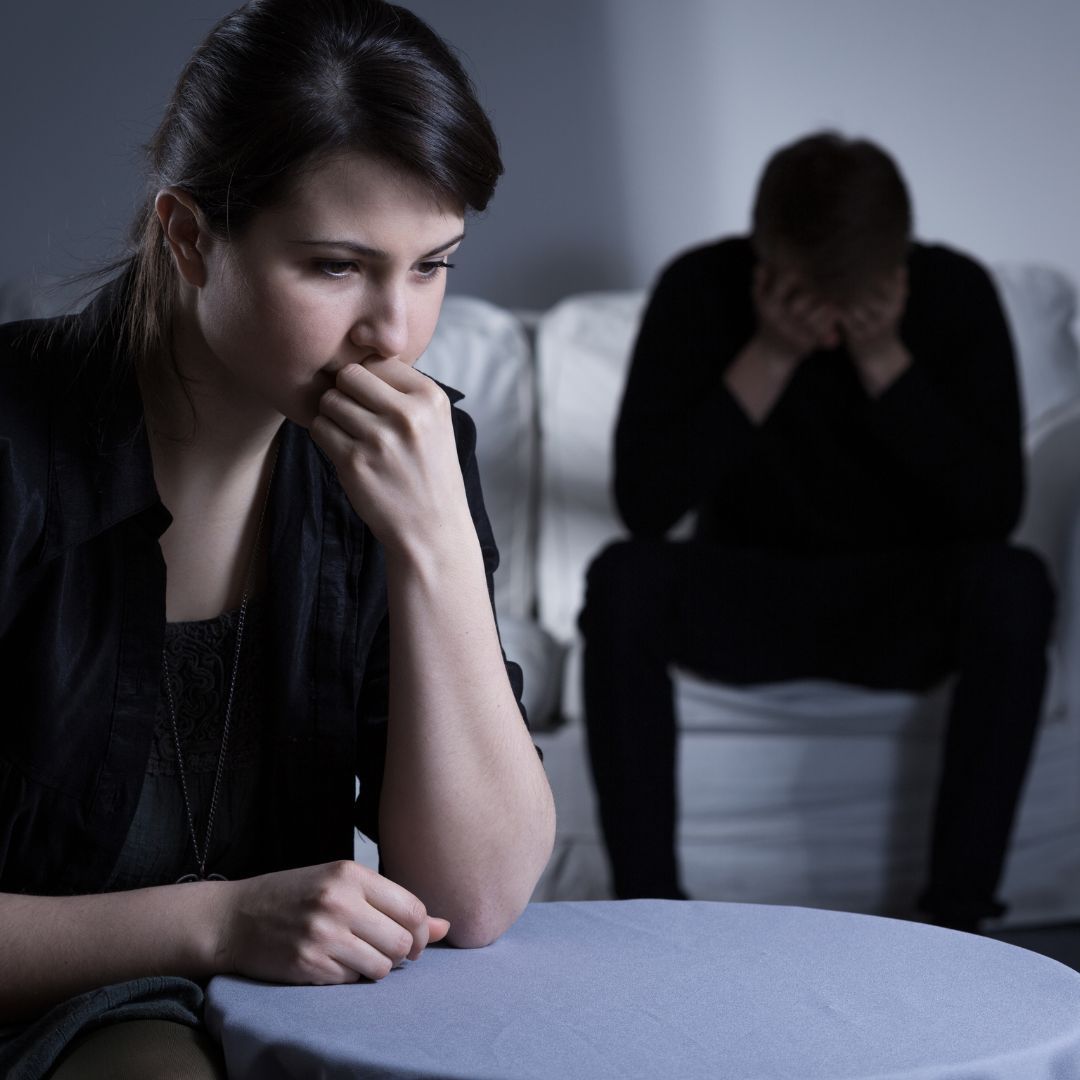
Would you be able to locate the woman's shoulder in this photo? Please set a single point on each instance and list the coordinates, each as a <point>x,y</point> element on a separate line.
<point>43,396</point>
<point>25,424</point>
<point>29,370</point>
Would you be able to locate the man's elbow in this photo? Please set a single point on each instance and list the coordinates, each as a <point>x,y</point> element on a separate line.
<point>647,518</point>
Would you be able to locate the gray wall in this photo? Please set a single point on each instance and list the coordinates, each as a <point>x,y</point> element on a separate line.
<point>630,128</point>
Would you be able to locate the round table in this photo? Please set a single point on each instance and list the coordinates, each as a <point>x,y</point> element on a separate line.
<point>656,989</point>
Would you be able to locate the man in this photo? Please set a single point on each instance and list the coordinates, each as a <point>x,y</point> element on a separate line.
<point>837,404</point>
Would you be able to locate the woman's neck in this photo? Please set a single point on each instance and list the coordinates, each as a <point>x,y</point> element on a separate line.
<point>199,419</point>
<point>211,446</point>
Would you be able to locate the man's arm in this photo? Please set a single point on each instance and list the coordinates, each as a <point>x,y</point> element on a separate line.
<point>872,333</point>
<point>949,417</point>
<point>717,348</point>
<point>680,431</point>
<point>790,324</point>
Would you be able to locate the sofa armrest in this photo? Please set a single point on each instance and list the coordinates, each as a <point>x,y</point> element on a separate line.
<point>1052,505</point>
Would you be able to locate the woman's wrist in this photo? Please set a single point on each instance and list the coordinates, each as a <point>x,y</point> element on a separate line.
<point>435,554</point>
<point>209,921</point>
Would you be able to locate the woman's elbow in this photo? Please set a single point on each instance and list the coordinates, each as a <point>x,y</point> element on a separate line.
<point>490,915</point>
<point>484,923</point>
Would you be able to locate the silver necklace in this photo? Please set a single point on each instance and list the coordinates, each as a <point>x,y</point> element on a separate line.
<point>201,856</point>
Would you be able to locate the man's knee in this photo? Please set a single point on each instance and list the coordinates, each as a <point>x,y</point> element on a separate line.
<point>1011,595</point>
<point>623,586</point>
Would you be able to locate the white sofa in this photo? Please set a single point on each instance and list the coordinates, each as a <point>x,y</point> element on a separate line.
<point>806,793</point>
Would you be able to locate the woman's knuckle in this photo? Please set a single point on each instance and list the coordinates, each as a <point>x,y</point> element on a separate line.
<point>415,913</point>
<point>379,441</point>
<point>381,967</point>
<point>309,925</point>
<point>303,960</point>
<point>355,459</point>
<point>402,946</point>
<point>342,870</point>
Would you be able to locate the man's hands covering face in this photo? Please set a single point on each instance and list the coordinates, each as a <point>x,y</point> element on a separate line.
<point>872,321</point>
<point>871,327</point>
<point>792,321</point>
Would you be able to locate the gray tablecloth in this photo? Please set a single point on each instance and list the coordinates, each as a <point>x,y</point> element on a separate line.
<point>657,989</point>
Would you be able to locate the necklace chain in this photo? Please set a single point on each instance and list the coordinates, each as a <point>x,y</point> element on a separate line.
<point>202,857</point>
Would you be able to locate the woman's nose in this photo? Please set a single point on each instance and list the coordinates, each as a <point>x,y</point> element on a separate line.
<point>383,325</point>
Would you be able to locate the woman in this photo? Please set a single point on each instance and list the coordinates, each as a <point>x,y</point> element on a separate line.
<point>244,558</point>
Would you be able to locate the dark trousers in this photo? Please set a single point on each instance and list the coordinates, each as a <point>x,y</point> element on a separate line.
<point>889,620</point>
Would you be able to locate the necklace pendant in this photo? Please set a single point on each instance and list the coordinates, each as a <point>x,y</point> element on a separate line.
<point>198,877</point>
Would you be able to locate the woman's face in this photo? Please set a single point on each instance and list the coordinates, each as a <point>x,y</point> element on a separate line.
<point>351,266</point>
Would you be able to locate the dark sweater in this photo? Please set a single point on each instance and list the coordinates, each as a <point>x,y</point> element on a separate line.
<point>936,459</point>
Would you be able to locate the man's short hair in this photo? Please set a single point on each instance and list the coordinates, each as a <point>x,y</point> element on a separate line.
<point>838,207</point>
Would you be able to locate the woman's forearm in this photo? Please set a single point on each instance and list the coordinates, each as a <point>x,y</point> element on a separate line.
<point>466,815</point>
<point>56,946</point>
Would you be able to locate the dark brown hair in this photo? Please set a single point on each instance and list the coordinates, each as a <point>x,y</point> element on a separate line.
<point>839,207</point>
<point>279,86</point>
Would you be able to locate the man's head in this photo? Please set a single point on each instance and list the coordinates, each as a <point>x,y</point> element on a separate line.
<point>835,212</point>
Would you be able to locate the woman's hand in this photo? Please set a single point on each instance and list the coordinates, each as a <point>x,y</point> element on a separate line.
<point>323,924</point>
<point>389,433</point>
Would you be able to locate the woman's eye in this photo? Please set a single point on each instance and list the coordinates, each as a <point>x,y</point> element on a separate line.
<point>431,269</point>
<point>335,268</point>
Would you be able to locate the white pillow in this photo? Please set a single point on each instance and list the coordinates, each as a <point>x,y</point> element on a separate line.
<point>1040,304</point>
<point>583,355</point>
<point>482,351</point>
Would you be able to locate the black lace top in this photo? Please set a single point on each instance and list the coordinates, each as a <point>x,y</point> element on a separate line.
<point>158,848</point>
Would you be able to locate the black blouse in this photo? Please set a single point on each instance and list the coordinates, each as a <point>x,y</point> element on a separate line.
<point>82,620</point>
<point>158,849</point>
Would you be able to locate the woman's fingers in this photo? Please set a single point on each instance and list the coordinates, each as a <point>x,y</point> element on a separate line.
<point>378,382</point>
<point>380,392</point>
<point>437,929</point>
<point>370,383</point>
<point>324,924</point>
<point>365,960</point>
<point>378,946</point>
<point>360,956</point>
<point>403,910</point>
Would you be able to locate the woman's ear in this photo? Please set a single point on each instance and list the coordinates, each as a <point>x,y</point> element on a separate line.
<point>185,230</point>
